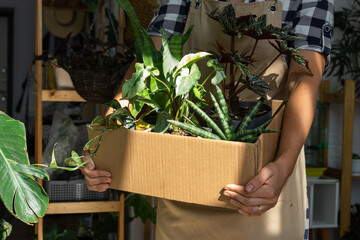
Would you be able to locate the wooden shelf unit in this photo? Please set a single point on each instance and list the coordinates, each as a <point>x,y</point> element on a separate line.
<point>347,98</point>
<point>64,96</point>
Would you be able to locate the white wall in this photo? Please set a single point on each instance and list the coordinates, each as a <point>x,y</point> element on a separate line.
<point>24,42</point>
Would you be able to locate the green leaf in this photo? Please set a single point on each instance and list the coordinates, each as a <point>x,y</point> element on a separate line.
<point>224,108</point>
<point>69,161</point>
<point>29,169</point>
<point>207,119</point>
<point>21,194</point>
<point>176,43</point>
<point>141,207</point>
<point>187,79</point>
<point>99,121</point>
<point>135,27</point>
<point>195,130</point>
<point>228,128</point>
<point>124,116</point>
<point>151,56</point>
<point>219,71</point>
<point>189,59</point>
<point>74,161</point>
<point>256,84</point>
<point>5,229</point>
<point>169,61</point>
<point>199,92</point>
<point>114,104</point>
<point>136,83</point>
<point>161,122</point>
<point>250,115</point>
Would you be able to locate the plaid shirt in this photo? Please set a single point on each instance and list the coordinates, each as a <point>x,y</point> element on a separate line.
<point>310,19</point>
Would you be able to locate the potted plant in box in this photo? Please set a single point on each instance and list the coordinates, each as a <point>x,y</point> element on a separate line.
<point>165,80</point>
<point>146,88</point>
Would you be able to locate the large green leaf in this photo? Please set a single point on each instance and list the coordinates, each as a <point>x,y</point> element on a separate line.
<point>189,59</point>
<point>176,43</point>
<point>218,69</point>
<point>136,83</point>
<point>162,123</point>
<point>187,79</point>
<point>151,56</point>
<point>21,194</point>
<point>169,61</point>
<point>135,26</point>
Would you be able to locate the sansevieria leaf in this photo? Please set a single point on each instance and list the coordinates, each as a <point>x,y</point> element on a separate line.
<point>20,193</point>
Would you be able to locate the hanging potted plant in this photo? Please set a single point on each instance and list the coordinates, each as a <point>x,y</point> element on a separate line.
<point>96,68</point>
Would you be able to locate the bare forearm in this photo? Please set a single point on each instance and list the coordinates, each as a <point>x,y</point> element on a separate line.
<point>300,110</point>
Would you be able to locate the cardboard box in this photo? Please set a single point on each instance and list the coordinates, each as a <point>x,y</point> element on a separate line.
<point>187,169</point>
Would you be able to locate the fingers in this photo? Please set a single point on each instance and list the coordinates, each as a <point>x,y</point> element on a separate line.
<point>249,211</point>
<point>265,191</point>
<point>256,182</point>
<point>96,180</point>
<point>248,203</point>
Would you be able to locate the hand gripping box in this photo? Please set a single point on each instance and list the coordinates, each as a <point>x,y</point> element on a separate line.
<point>187,169</point>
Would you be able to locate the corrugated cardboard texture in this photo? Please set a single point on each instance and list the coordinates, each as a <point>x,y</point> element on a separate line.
<point>186,169</point>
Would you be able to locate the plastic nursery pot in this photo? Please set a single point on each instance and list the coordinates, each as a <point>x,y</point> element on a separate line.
<point>265,114</point>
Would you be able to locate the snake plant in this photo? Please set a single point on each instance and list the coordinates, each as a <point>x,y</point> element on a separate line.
<point>242,134</point>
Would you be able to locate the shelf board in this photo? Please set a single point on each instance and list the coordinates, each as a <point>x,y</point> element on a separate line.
<point>61,96</point>
<point>74,5</point>
<point>83,207</point>
<point>321,224</point>
<point>336,173</point>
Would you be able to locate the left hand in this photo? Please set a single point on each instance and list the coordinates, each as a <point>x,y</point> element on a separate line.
<point>260,194</point>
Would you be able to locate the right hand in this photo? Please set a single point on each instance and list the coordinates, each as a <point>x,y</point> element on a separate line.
<point>96,180</point>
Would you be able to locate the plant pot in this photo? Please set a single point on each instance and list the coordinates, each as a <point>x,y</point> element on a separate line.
<point>94,87</point>
<point>265,114</point>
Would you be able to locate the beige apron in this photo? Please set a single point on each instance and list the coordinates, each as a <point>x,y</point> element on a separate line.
<point>286,221</point>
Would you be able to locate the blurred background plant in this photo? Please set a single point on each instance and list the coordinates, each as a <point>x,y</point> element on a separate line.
<point>345,53</point>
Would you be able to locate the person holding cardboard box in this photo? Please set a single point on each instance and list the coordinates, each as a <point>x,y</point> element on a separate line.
<point>277,195</point>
